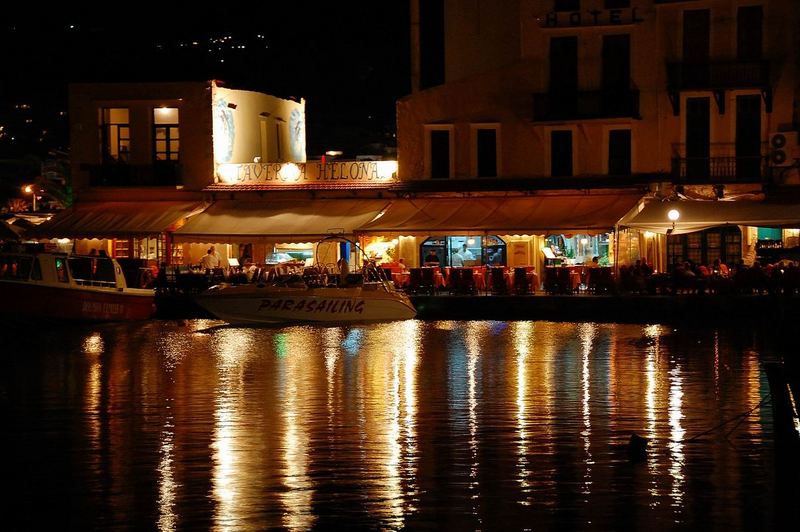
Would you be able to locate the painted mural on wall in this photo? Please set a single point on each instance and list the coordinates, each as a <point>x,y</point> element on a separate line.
<point>224,131</point>
<point>297,131</point>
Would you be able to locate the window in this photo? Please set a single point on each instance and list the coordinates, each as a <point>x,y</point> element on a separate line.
<point>696,35</point>
<point>561,153</point>
<point>564,64</point>
<point>567,5</point>
<point>166,134</point>
<point>484,146</point>
<point>439,146</point>
<point>619,152</point>
<point>704,247</point>
<point>616,62</point>
<point>116,131</point>
<point>749,33</point>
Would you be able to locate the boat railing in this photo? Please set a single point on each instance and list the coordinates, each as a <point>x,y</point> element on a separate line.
<point>94,282</point>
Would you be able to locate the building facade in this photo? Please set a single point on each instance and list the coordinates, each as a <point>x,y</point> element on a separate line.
<point>687,100</point>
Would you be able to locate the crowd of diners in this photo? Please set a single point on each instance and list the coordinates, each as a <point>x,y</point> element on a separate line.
<point>688,277</point>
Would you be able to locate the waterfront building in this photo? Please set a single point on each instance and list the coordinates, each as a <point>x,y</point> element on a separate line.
<point>692,100</point>
<point>538,132</point>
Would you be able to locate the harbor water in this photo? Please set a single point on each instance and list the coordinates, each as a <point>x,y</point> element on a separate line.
<point>454,425</point>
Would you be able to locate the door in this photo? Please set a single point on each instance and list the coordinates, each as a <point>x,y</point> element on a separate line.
<point>698,137</point>
<point>748,138</point>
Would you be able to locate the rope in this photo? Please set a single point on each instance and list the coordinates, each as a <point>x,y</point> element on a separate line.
<point>740,417</point>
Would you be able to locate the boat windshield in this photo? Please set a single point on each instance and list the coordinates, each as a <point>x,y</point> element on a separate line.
<point>93,271</point>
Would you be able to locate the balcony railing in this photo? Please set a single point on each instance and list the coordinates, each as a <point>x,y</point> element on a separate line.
<point>721,166</point>
<point>718,75</point>
<point>164,173</point>
<point>585,105</point>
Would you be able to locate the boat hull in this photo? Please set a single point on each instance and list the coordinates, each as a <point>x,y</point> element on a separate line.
<point>79,304</point>
<point>253,304</point>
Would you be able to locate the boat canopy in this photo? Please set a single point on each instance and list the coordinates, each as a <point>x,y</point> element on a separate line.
<point>544,214</point>
<point>252,220</point>
<point>700,215</point>
<point>117,219</point>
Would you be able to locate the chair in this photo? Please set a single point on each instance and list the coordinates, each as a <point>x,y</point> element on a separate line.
<point>550,280</point>
<point>415,280</point>
<point>605,279</point>
<point>428,280</point>
<point>498,280</point>
<point>466,281</point>
<point>521,286</point>
<point>454,280</point>
<point>564,280</point>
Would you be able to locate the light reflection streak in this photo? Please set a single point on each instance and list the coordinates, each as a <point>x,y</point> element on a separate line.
<point>167,486</point>
<point>232,348</point>
<point>333,338</point>
<point>587,333</point>
<point>716,365</point>
<point>93,345</point>
<point>521,332</point>
<point>676,435</point>
<point>410,354</point>
<point>653,332</point>
<point>397,489</point>
<point>474,331</point>
<point>299,493</point>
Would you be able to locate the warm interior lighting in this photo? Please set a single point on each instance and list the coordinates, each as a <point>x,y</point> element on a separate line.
<point>584,241</point>
<point>289,172</point>
<point>648,234</point>
<point>228,173</point>
<point>386,169</point>
<point>471,241</point>
<point>333,153</point>
<point>28,189</point>
<point>673,215</point>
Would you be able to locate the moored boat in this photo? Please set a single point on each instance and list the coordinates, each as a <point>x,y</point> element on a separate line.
<point>69,287</point>
<point>260,303</point>
<point>310,299</point>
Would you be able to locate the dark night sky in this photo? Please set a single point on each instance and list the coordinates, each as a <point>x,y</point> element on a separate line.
<point>350,60</point>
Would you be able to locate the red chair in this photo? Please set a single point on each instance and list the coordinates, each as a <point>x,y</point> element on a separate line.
<point>521,286</point>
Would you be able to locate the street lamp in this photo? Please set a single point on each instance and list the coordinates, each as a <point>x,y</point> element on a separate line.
<point>30,189</point>
<point>673,215</point>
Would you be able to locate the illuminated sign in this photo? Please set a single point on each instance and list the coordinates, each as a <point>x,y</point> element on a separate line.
<point>595,17</point>
<point>350,173</point>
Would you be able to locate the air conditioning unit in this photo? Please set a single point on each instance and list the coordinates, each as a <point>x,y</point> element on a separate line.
<point>782,148</point>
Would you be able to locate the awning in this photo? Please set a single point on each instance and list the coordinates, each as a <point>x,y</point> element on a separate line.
<point>699,215</point>
<point>546,214</point>
<point>249,220</point>
<point>116,219</point>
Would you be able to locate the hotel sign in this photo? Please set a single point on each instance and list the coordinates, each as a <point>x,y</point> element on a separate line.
<point>341,173</point>
<point>594,17</point>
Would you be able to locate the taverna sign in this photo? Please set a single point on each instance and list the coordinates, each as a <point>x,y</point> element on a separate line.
<point>342,173</point>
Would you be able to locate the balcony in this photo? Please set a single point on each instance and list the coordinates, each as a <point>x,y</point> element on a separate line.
<point>718,76</point>
<point>162,173</point>
<point>722,166</point>
<point>585,105</point>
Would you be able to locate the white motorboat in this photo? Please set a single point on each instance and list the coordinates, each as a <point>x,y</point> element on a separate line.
<point>296,300</point>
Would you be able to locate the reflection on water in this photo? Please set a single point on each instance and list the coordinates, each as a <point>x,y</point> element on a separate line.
<point>398,425</point>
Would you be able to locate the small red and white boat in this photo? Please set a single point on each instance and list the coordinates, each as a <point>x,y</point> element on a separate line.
<point>70,287</point>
